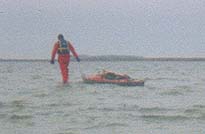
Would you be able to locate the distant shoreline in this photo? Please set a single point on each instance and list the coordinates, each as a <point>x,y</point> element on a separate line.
<point>116,58</point>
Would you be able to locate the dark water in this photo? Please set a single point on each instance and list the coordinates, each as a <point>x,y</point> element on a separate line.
<point>33,100</point>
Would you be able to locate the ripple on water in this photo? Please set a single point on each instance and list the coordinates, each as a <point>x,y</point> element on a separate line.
<point>197,111</point>
<point>184,88</point>
<point>3,115</point>
<point>2,104</point>
<point>158,117</point>
<point>40,95</point>
<point>36,77</point>
<point>172,92</point>
<point>53,105</point>
<point>70,132</point>
<point>18,104</point>
<point>116,124</point>
<point>191,111</point>
<point>91,108</point>
<point>20,117</point>
<point>67,104</point>
<point>162,78</point>
<point>121,107</point>
<point>107,125</point>
<point>151,87</point>
<point>124,107</point>
<point>107,109</point>
<point>21,120</point>
<point>161,114</point>
<point>178,90</point>
<point>154,110</point>
<point>199,106</point>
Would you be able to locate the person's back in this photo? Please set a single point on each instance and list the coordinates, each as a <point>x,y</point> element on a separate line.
<point>63,48</point>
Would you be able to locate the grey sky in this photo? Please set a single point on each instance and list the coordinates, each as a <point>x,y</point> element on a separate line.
<point>97,27</point>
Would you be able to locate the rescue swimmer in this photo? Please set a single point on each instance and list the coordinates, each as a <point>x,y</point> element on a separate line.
<point>63,48</point>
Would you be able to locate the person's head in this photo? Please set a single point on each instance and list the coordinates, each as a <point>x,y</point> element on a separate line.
<point>60,37</point>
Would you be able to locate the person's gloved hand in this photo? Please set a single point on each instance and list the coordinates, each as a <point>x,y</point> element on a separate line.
<point>78,59</point>
<point>52,62</point>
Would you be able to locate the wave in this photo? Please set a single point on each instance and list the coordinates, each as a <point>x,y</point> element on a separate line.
<point>36,77</point>
<point>53,105</point>
<point>20,117</point>
<point>162,78</point>
<point>199,106</point>
<point>191,111</point>
<point>41,95</point>
<point>129,108</point>
<point>107,109</point>
<point>172,92</point>
<point>2,115</point>
<point>154,109</point>
<point>197,111</point>
<point>103,125</point>
<point>111,109</point>
<point>161,114</point>
<point>120,108</point>
<point>177,90</point>
<point>116,125</point>
<point>2,104</point>
<point>20,104</point>
<point>165,117</point>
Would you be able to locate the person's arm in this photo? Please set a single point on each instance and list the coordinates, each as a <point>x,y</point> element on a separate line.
<point>54,51</point>
<point>72,49</point>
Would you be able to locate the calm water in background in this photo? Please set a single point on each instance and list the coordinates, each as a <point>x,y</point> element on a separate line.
<point>33,100</point>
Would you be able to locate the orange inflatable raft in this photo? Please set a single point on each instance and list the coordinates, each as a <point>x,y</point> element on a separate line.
<point>112,78</point>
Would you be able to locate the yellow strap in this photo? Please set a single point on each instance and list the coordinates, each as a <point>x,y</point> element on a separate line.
<point>62,48</point>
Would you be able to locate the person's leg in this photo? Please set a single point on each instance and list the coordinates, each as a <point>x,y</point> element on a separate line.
<point>64,62</point>
<point>64,72</point>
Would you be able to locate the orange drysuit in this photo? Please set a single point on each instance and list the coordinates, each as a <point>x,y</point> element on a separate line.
<point>63,59</point>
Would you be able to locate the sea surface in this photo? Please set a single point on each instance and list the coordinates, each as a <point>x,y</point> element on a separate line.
<point>34,101</point>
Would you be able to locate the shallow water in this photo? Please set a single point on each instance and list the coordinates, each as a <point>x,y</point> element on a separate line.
<point>33,100</point>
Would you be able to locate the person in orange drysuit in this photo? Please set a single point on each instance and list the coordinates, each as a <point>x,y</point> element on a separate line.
<point>63,48</point>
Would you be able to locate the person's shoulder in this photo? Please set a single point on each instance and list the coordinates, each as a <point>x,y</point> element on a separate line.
<point>69,44</point>
<point>57,43</point>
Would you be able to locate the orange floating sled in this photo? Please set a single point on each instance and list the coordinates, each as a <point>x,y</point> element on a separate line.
<point>112,78</point>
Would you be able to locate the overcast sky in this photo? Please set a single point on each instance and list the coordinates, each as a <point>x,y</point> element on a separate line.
<point>28,28</point>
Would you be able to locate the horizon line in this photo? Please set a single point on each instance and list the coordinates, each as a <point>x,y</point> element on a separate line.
<point>113,58</point>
